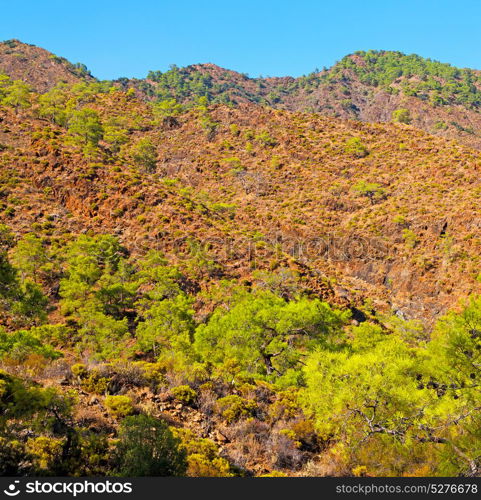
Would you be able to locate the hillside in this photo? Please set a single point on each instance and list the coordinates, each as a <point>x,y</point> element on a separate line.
<point>256,291</point>
<point>369,86</point>
<point>38,67</point>
<point>373,86</point>
<point>313,186</point>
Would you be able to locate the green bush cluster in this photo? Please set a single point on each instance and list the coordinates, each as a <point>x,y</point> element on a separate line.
<point>356,148</point>
<point>185,394</point>
<point>203,458</point>
<point>401,116</point>
<point>119,406</point>
<point>234,407</point>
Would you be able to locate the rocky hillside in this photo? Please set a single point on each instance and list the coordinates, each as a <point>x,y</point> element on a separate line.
<point>254,291</point>
<point>374,86</point>
<point>38,67</point>
<point>388,210</point>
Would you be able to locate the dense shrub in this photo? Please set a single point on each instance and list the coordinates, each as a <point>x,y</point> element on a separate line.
<point>202,456</point>
<point>372,190</point>
<point>119,406</point>
<point>234,407</point>
<point>185,394</point>
<point>356,148</point>
<point>147,447</point>
<point>13,458</point>
<point>401,116</point>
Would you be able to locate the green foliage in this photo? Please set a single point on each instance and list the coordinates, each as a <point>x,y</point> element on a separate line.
<point>234,130</point>
<point>410,238</point>
<point>384,399</point>
<point>367,390</point>
<point>95,383</point>
<point>46,451</point>
<point>266,139</point>
<point>80,69</point>
<point>202,456</point>
<point>208,124</point>
<point>159,281</point>
<point>457,345</point>
<point>54,105</point>
<point>401,116</point>
<point>97,290</point>
<point>168,107</point>
<point>58,335</point>
<point>147,447</point>
<point>17,94</point>
<point>7,239</point>
<point>87,259</point>
<point>440,125</point>
<point>31,304</point>
<point>375,192</point>
<point>115,292</point>
<point>13,457</point>
<point>21,400</point>
<point>144,155</point>
<point>424,78</point>
<point>5,83</point>
<point>356,148</point>
<point>20,344</point>
<point>355,379</point>
<point>64,103</point>
<point>22,300</point>
<point>185,394</point>
<point>199,263</point>
<point>115,134</point>
<point>30,257</point>
<point>119,406</point>
<point>186,84</point>
<point>396,396</point>
<point>167,327</point>
<point>265,334</point>
<point>79,370</point>
<point>234,407</point>
<point>85,128</point>
<point>8,278</point>
<point>103,335</point>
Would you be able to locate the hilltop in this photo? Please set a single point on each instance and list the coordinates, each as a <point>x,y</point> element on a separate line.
<point>39,67</point>
<point>372,86</point>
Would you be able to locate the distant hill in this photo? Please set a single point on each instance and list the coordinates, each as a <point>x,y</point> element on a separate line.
<point>38,67</point>
<point>372,86</point>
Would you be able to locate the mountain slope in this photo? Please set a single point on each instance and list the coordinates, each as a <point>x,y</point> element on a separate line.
<point>241,277</point>
<point>387,209</point>
<point>369,86</point>
<point>38,67</point>
<point>373,86</point>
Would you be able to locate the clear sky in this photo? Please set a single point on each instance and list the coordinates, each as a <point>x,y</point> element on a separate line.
<point>117,38</point>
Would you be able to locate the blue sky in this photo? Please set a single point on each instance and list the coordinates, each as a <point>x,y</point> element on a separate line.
<point>128,38</point>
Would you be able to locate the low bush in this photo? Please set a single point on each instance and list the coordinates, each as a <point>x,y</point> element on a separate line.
<point>119,406</point>
<point>234,407</point>
<point>185,394</point>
